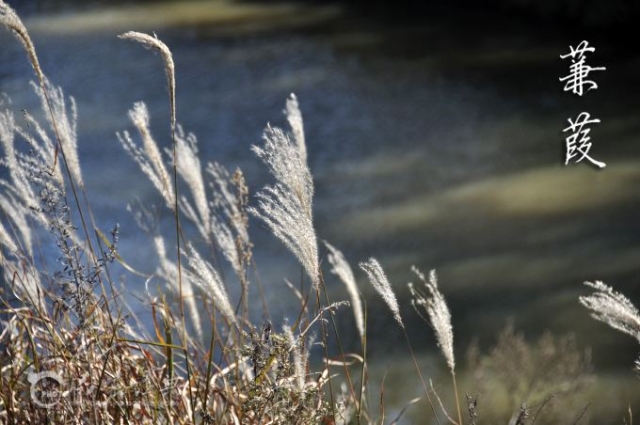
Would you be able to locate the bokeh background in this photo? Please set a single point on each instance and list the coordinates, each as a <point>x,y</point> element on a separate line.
<point>435,138</point>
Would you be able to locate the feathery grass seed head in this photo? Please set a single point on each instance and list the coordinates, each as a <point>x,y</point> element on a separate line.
<point>154,43</point>
<point>10,19</point>
<point>286,163</point>
<point>281,211</point>
<point>294,117</point>
<point>148,157</point>
<point>65,123</point>
<point>341,268</point>
<point>438,312</point>
<point>286,207</point>
<point>203,275</point>
<point>189,168</point>
<point>612,308</point>
<point>379,280</point>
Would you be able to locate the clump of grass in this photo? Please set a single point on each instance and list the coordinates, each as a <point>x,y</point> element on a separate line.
<point>131,375</point>
<point>553,376</point>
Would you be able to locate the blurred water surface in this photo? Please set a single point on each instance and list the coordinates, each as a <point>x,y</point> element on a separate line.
<point>436,144</point>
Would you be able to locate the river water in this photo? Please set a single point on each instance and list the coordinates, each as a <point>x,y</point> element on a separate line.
<point>436,144</point>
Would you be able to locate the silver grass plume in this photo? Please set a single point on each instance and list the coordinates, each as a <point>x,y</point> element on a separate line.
<point>286,207</point>
<point>341,268</point>
<point>227,243</point>
<point>379,280</point>
<point>203,275</point>
<point>64,122</point>
<point>18,215</point>
<point>18,190</point>
<point>10,19</point>
<point>16,267</point>
<point>281,211</point>
<point>19,165</point>
<point>27,172</point>
<point>168,271</point>
<point>612,308</point>
<point>299,358</point>
<point>229,224</point>
<point>148,157</point>
<point>286,163</point>
<point>190,170</point>
<point>294,117</point>
<point>438,312</point>
<point>43,150</point>
<point>221,220</point>
<point>154,43</point>
<point>5,238</point>
<point>228,201</point>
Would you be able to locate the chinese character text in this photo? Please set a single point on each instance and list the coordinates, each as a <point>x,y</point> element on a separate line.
<point>578,143</point>
<point>577,78</point>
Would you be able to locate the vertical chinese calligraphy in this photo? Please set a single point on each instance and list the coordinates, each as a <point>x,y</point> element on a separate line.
<point>578,143</point>
<point>576,80</point>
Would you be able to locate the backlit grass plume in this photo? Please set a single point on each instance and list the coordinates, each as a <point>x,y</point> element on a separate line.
<point>148,156</point>
<point>190,169</point>
<point>612,308</point>
<point>203,275</point>
<point>65,123</point>
<point>615,310</point>
<point>439,317</point>
<point>437,311</point>
<point>167,270</point>
<point>294,117</point>
<point>341,268</point>
<point>229,224</point>
<point>286,206</point>
<point>154,43</point>
<point>10,19</point>
<point>52,100</point>
<point>379,280</point>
